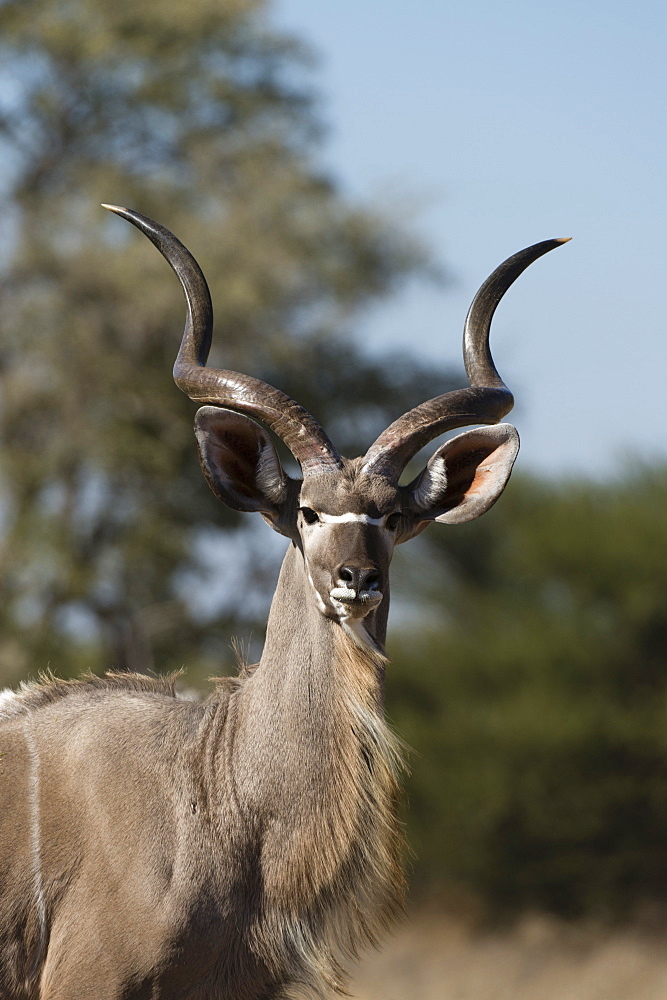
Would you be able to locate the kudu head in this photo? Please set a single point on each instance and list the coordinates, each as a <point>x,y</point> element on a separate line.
<point>345,515</point>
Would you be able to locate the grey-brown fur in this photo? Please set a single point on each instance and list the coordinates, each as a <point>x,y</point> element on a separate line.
<point>202,850</point>
<point>239,848</point>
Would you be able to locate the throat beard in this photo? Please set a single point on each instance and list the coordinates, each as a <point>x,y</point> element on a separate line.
<point>355,629</point>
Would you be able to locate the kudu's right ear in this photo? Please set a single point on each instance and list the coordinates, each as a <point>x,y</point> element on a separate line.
<point>240,463</point>
<point>464,477</point>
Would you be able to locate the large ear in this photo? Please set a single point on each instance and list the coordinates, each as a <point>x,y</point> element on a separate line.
<point>465,476</point>
<point>240,462</point>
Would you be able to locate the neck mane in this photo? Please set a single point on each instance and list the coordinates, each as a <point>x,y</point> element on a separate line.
<point>322,767</point>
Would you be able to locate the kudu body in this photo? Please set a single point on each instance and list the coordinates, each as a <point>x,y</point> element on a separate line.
<point>233,849</point>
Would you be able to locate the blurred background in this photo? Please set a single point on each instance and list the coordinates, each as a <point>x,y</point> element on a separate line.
<point>347,175</point>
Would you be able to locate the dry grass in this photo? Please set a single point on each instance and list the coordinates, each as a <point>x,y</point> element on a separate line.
<point>439,958</point>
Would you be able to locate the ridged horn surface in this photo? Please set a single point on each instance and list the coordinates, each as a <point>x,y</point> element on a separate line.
<point>486,401</point>
<point>300,431</point>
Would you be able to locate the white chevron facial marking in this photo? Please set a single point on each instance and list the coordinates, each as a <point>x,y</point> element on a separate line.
<point>346,518</point>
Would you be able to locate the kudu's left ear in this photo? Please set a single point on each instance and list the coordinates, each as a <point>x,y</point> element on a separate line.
<point>465,476</point>
<point>240,463</point>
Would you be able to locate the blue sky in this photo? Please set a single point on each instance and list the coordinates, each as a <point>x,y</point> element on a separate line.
<point>499,125</point>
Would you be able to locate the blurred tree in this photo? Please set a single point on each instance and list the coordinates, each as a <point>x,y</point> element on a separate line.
<point>195,114</point>
<point>537,699</point>
<point>538,704</point>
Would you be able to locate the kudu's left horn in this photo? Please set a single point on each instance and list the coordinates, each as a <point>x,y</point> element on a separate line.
<point>291,422</point>
<point>486,401</point>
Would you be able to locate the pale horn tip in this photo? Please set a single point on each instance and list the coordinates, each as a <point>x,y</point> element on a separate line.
<point>563,239</point>
<point>114,208</point>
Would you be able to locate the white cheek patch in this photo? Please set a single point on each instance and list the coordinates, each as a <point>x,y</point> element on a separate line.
<point>318,597</point>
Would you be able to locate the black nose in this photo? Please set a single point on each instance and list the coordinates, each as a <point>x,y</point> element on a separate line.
<point>358,578</point>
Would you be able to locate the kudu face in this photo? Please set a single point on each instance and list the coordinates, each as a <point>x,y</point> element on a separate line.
<point>344,521</point>
<point>344,515</point>
<point>347,531</point>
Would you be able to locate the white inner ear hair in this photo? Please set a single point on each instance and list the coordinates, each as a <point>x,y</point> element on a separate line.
<point>432,484</point>
<point>269,474</point>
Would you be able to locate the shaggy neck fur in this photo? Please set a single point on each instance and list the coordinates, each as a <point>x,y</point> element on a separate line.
<point>298,772</point>
<point>314,756</point>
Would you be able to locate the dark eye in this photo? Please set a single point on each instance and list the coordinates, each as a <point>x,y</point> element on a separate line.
<point>309,515</point>
<point>393,520</point>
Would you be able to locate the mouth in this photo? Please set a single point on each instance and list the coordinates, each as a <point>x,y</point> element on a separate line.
<point>354,604</point>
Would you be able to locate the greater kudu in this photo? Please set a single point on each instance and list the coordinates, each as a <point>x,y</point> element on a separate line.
<point>236,848</point>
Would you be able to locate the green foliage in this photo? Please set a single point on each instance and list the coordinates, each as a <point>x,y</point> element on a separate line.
<point>538,705</point>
